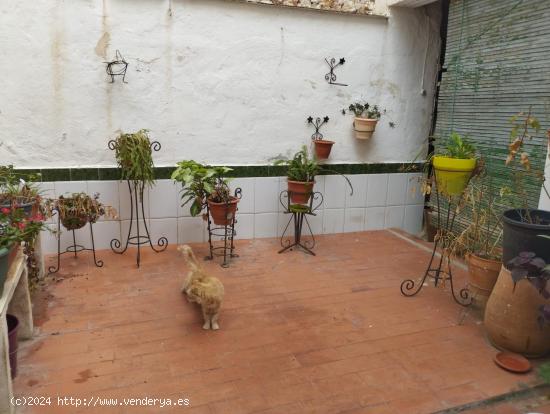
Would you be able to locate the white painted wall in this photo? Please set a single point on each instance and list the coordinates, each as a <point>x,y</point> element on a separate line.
<point>215,81</point>
<point>544,202</point>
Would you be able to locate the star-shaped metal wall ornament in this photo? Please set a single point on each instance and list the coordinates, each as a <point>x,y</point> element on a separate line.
<point>317,124</point>
<point>331,76</point>
<point>117,67</point>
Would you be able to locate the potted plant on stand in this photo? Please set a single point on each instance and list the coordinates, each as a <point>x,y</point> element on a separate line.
<point>366,119</point>
<point>301,173</point>
<point>206,186</point>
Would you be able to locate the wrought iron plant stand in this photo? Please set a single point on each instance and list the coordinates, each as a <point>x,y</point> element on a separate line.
<point>445,226</point>
<point>74,248</point>
<point>226,232</point>
<point>135,188</point>
<point>299,217</point>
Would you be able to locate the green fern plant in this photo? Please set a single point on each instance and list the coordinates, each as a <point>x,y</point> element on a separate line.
<point>134,157</point>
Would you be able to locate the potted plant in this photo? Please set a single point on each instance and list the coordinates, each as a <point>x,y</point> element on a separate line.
<point>134,156</point>
<point>15,228</point>
<point>18,191</point>
<point>78,209</point>
<point>301,173</point>
<point>517,317</point>
<point>322,146</point>
<point>206,186</point>
<point>366,118</point>
<point>524,225</point>
<point>454,166</point>
<point>480,241</point>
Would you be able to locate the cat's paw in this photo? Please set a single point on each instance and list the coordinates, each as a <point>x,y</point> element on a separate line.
<point>206,325</point>
<point>215,326</point>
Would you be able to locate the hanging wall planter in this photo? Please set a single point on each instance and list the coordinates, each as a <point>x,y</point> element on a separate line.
<point>366,119</point>
<point>322,146</point>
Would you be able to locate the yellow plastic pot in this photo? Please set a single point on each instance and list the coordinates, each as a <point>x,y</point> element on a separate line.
<point>452,174</point>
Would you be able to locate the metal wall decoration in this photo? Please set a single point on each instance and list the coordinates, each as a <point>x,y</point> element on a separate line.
<point>331,76</point>
<point>135,189</point>
<point>117,67</point>
<point>317,124</point>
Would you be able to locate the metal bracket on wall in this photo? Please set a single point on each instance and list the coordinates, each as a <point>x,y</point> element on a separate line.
<point>331,76</point>
<point>117,67</point>
<point>317,124</point>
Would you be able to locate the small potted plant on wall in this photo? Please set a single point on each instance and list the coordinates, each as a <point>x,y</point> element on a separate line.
<point>321,145</point>
<point>206,186</point>
<point>366,119</point>
<point>301,173</point>
<point>454,166</point>
<point>134,156</point>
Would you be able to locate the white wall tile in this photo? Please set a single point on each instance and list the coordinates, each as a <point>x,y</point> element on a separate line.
<point>167,227</point>
<point>125,227</point>
<point>108,194</point>
<point>359,197</point>
<point>333,220</point>
<point>397,189</point>
<point>336,189</point>
<point>66,188</point>
<point>183,211</point>
<point>244,226</point>
<point>266,194</point>
<point>413,219</point>
<point>375,218</point>
<point>265,225</point>
<point>104,232</point>
<point>377,189</point>
<point>316,222</point>
<point>191,230</point>
<point>414,189</point>
<point>246,205</point>
<point>164,200</point>
<point>395,216</point>
<point>49,240</point>
<point>354,219</point>
<point>124,201</point>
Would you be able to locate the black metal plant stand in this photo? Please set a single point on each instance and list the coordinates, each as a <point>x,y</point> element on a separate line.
<point>74,248</point>
<point>437,272</point>
<point>331,76</point>
<point>299,217</point>
<point>226,233</point>
<point>135,188</point>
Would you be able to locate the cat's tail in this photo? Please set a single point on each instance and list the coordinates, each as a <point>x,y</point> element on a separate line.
<point>189,256</point>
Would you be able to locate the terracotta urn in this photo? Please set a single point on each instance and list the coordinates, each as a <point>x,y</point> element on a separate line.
<point>512,317</point>
<point>482,277</point>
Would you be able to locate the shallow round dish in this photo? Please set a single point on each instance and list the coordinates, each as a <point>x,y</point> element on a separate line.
<point>513,362</point>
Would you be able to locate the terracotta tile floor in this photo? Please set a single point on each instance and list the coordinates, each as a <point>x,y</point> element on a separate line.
<point>300,334</point>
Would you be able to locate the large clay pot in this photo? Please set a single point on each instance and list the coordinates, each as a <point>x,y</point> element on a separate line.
<point>364,127</point>
<point>511,317</point>
<point>452,175</point>
<point>300,191</point>
<point>482,277</point>
<point>223,213</point>
<point>322,148</point>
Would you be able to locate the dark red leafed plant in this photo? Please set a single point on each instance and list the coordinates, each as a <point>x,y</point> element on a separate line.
<point>528,266</point>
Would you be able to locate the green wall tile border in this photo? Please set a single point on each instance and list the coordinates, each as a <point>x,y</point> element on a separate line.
<point>239,171</point>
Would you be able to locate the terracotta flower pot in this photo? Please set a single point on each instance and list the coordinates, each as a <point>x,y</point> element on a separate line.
<point>511,317</point>
<point>322,148</point>
<point>364,127</point>
<point>482,276</point>
<point>300,191</point>
<point>223,213</point>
